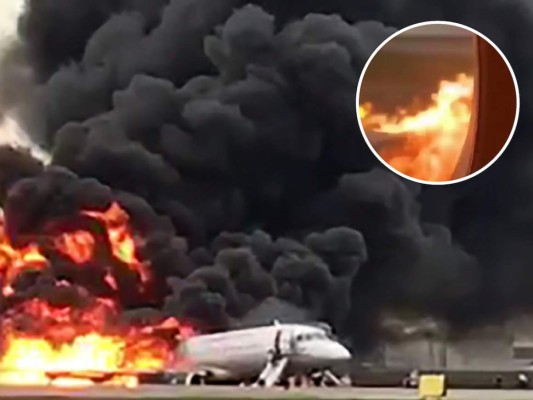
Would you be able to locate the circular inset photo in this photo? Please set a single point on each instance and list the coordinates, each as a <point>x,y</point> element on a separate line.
<point>437,103</point>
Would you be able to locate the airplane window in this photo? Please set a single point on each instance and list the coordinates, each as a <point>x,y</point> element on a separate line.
<point>311,336</point>
<point>419,121</point>
<point>437,102</point>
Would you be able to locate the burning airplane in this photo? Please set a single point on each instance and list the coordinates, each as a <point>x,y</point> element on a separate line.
<point>78,337</point>
<point>237,126</point>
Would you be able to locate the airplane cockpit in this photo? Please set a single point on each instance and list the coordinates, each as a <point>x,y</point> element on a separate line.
<point>326,328</point>
<point>304,337</point>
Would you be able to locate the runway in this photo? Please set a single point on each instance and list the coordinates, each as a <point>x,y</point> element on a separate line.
<point>232,392</point>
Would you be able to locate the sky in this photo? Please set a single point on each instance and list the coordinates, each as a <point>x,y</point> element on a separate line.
<point>10,132</point>
<point>9,11</point>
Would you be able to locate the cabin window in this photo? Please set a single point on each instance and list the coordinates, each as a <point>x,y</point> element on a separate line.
<point>417,101</point>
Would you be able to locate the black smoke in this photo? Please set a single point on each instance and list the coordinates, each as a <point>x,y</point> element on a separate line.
<point>228,131</point>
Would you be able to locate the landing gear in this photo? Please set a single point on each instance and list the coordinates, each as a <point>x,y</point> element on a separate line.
<point>298,381</point>
<point>285,384</point>
<point>196,379</point>
<point>317,378</point>
<point>321,378</point>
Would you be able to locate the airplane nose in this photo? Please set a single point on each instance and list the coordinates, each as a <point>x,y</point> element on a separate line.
<point>342,353</point>
<point>327,351</point>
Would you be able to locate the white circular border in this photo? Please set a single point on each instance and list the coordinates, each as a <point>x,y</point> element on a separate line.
<point>440,183</point>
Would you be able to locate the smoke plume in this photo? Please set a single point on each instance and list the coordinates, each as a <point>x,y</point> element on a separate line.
<point>228,131</point>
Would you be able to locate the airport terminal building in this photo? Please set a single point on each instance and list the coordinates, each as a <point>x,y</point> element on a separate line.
<point>509,346</point>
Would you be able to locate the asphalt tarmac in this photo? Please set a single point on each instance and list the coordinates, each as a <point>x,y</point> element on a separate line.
<point>233,392</point>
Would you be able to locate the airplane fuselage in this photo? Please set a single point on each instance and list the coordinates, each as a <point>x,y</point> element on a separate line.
<point>243,354</point>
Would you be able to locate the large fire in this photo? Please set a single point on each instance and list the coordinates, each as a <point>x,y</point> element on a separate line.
<point>432,138</point>
<point>53,342</point>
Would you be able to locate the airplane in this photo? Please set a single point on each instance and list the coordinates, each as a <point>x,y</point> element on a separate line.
<point>264,355</point>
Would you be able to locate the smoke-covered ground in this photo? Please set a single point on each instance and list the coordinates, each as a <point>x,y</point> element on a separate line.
<point>228,130</point>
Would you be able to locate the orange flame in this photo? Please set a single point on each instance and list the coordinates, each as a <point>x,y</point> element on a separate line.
<point>44,343</point>
<point>14,261</point>
<point>122,241</point>
<point>434,137</point>
<point>78,245</point>
<point>69,341</point>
